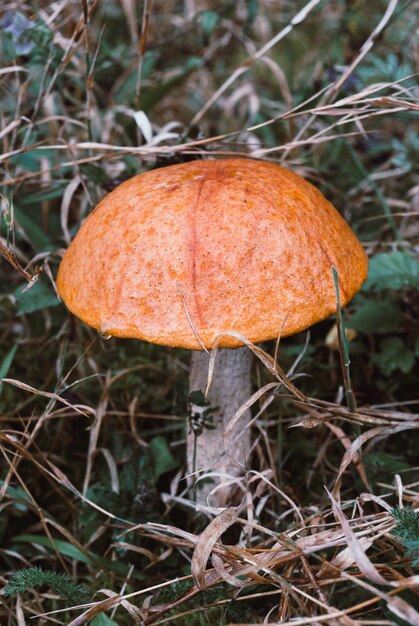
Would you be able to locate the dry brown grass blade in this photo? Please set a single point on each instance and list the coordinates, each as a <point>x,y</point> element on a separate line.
<point>248,562</point>
<point>334,87</point>
<point>297,19</point>
<point>43,520</point>
<point>218,565</point>
<point>346,442</point>
<point>291,546</point>
<point>129,8</point>
<point>20,616</point>
<point>250,402</point>
<point>45,394</point>
<point>68,194</point>
<point>12,70</point>
<point>398,102</point>
<point>396,605</point>
<point>206,543</point>
<point>190,320</point>
<point>351,456</point>
<point>11,258</point>
<point>365,48</point>
<point>101,607</point>
<point>358,553</point>
<point>50,470</point>
<point>100,413</point>
<point>145,24</point>
<point>300,143</point>
<point>10,127</point>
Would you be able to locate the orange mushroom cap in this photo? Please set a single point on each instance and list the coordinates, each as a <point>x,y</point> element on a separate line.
<point>209,247</point>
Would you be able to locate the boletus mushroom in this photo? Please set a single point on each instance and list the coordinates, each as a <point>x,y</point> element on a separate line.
<point>201,254</point>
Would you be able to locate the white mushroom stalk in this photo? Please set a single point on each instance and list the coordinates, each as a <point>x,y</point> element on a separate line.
<point>208,452</point>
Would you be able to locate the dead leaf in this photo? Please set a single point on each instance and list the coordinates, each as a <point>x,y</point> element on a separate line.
<point>206,543</point>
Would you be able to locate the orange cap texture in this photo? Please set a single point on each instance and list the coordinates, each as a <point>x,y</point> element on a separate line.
<point>210,247</point>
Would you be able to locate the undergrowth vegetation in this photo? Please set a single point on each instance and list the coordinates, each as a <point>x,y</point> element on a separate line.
<point>94,508</point>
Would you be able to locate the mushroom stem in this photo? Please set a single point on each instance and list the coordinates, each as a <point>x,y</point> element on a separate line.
<point>230,389</point>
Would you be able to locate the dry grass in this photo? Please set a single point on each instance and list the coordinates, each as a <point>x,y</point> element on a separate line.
<point>313,542</point>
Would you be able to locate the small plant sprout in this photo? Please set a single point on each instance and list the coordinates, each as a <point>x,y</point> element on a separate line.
<point>216,254</point>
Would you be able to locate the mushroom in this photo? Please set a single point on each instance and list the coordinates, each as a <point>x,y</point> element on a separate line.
<point>203,254</point>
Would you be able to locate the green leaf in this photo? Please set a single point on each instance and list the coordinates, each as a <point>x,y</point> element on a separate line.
<point>394,356</point>
<point>197,397</point>
<point>209,21</point>
<point>153,96</point>
<point>38,239</point>
<point>67,549</point>
<point>63,547</point>
<point>126,91</point>
<point>393,270</point>
<point>252,10</point>
<point>382,463</point>
<point>376,317</point>
<point>31,160</point>
<point>95,173</point>
<point>102,620</point>
<point>40,296</point>
<point>18,495</point>
<point>7,362</point>
<point>34,198</point>
<point>161,457</point>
